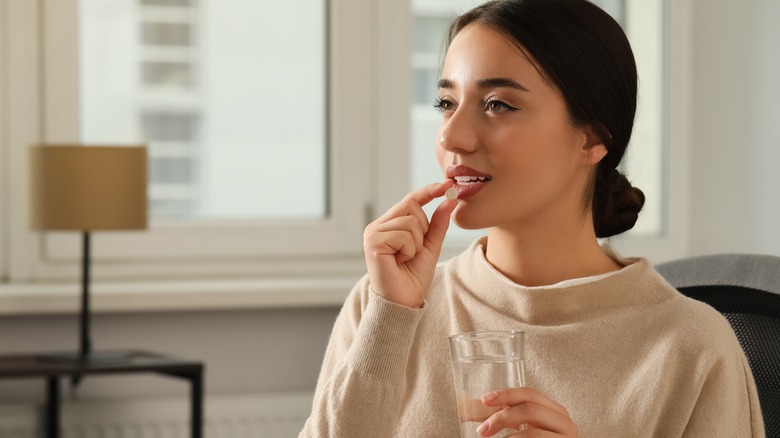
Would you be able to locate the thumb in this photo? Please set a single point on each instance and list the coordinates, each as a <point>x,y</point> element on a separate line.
<point>440,222</point>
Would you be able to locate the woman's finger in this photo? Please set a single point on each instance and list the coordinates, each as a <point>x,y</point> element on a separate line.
<point>430,192</point>
<point>416,199</point>
<point>529,432</point>
<point>530,414</point>
<point>526,406</point>
<point>440,222</point>
<point>409,224</point>
<point>398,243</point>
<point>515,396</point>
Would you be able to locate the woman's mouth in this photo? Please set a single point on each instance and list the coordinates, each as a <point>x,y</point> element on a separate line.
<point>468,182</point>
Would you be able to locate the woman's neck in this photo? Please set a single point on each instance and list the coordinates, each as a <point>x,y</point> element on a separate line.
<point>547,253</point>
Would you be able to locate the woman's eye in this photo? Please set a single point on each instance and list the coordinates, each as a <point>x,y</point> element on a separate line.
<point>443,105</point>
<point>498,106</point>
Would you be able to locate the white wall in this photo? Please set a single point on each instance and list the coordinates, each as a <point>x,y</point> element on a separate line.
<point>247,351</point>
<point>764,79</point>
<point>735,207</point>
<point>735,184</point>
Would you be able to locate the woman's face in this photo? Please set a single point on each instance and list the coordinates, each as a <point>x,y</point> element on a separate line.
<point>506,138</point>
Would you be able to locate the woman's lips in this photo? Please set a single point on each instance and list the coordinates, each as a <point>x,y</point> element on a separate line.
<point>469,188</point>
<point>461,170</point>
<point>468,181</point>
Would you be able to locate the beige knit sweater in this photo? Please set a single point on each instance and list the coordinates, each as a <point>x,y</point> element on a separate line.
<point>627,355</point>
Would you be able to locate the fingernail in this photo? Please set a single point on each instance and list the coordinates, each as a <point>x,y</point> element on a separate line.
<point>490,396</point>
<point>483,428</point>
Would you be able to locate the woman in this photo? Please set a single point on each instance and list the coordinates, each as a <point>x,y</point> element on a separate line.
<point>538,99</point>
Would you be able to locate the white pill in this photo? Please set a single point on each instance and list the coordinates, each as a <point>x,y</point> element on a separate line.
<point>451,193</point>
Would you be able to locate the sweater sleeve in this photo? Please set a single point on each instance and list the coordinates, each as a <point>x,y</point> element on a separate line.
<point>728,404</point>
<point>359,389</point>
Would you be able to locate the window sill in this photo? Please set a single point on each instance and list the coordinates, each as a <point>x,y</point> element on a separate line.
<point>202,295</point>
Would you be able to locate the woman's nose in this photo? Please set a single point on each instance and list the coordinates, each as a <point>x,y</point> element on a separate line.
<point>458,134</point>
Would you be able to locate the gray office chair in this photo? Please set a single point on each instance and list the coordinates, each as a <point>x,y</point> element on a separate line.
<point>745,288</point>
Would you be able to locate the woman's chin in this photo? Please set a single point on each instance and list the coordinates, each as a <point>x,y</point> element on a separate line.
<point>468,222</point>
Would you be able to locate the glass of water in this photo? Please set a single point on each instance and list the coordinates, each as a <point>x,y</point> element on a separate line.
<point>483,362</point>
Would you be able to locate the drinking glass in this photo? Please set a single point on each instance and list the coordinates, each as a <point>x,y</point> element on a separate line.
<point>483,362</point>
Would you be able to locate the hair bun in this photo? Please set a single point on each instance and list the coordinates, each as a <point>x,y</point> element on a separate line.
<point>616,205</point>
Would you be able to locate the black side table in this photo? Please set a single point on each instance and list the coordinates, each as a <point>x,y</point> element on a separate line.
<point>29,365</point>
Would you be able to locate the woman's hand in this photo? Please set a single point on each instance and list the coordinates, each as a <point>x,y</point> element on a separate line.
<point>529,412</point>
<point>402,247</point>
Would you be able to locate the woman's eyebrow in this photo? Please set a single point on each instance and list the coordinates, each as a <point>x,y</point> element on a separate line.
<point>501,83</point>
<point>446,83</point>
<point>488,83</point>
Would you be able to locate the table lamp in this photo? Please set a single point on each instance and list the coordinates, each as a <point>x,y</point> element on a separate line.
<point>88,188</point>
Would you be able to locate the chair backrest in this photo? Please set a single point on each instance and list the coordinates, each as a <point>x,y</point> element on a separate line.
<point>745,288</point>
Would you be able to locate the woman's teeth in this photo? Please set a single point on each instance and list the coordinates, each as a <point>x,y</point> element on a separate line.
<point>466,180</point>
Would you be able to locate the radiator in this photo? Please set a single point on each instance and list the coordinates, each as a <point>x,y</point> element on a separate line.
<point>236,416</point>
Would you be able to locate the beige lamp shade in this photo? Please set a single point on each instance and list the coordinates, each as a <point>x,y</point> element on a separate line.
<point>88,188</point>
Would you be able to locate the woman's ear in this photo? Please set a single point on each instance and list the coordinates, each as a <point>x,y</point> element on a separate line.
<point>593,149</point>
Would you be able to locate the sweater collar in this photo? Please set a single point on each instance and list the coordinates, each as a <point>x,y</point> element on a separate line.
<point>636,284</point>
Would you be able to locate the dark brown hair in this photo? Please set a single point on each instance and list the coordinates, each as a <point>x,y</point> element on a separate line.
<point>586,55</point>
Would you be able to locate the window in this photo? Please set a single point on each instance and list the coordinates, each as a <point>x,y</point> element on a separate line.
<point>230,102</point>
<point>253,167</point>
<point>173,165</point>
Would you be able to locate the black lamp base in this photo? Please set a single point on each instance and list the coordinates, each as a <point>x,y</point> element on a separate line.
<point>85,355</point>
<point>93,358</point>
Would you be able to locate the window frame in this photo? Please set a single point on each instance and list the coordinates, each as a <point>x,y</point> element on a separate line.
<point>47,86</point>
<point>676,139</point>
